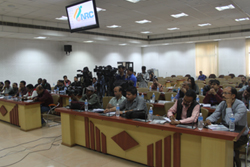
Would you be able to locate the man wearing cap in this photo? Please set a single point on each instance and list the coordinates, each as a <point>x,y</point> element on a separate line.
<point>92,98</point>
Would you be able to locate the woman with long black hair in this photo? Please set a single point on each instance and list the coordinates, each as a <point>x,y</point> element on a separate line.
<point>194,86</point>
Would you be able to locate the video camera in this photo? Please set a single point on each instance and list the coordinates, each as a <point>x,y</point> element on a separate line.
<point>86,77</point>
<point>105,71</point>
<point>74,90</point>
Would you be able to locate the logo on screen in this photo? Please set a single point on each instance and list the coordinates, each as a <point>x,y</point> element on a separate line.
<point>79,16</point>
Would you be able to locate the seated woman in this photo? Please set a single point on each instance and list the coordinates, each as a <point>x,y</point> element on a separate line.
<point>194,86</point>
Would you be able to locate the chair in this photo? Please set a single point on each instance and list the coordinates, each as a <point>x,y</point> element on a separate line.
<point>168,105</point>
<point>212,76</point>
<point>149,105</point>
<point>149,84</point>
<point>227,77</point>
<point>232,75</point>
<point>173,76</point>
<point>188,75</point>
<point>201,97</point>
<point>142,90</point>
<point>168,95</point>
<point>241,75</point>
<point>150,93</point>
<point>165,89</point>
<point>50,119</point>
<point>201,85</point>
<point>204,113</point>
<point>180,76</point>
<point>226,85</point>
<point>105,101</point>
<point>221,76</point>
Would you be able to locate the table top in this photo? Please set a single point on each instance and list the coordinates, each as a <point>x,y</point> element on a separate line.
<point>225,135</point>
<point>20,102</point>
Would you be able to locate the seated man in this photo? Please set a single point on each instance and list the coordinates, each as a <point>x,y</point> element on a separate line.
<point>244,96</point>
<point>202,77</point>
<point>39,82</point>
<point>187,109</point>
<point>130,76</point>
<point>46,85</point>
<point>92,98</point>
<point>7,90</point>
<point>60,85</point>
<point>231,105</point>
<point>94,83</point>
<point>245,87</point>
<point>15,88</point>
<point>31,92</point>
<point>207,87</point>
<point>132,102</point>
<point>45,97</point>
<point>118,99</point>
<point>214,95</point>
<point>66,81</point>
<point>243,82</point>
<point>185,86</point>
<point>22,89</point>
<point>1,86</point>
<point>156,84</point>
<point>76,82</point>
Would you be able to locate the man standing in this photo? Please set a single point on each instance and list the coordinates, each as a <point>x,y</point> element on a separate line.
<point>118,99</point>
<point>231,105</point>
<point>214,95</point>
<point>243,82</point>
<point>121,75</point>
<point>187,109</point>
<point>92,98</point>
<point>143,78</point>
<point>130,76</point>
<point>202,77</point>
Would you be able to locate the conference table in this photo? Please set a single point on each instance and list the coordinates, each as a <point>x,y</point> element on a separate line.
<point>150,144</point>
<point>26,115</point>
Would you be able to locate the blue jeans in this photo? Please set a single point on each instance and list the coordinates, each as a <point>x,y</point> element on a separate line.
<point>44,109</point>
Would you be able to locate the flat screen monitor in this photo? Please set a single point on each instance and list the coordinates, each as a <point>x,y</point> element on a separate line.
<point>82,16</point>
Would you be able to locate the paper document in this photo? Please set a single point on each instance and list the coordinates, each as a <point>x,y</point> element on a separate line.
<point>98,110</point>
<point>217,127</point>
<point>29,101</point>
<point>158,122</point>
<point>205,105</point>
<point>168,119</point>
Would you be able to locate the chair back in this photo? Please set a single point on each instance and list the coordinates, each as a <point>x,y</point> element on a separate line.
<point>201,85</point>
<point>248,118</point>
<point>204,113</point>
<point>226,85</point>
<point>142,90</point>
<point>201,97</point>
<point>212,76</point>
<point>168,105</point>
<point>150,93</point>
<point>168,95</point>
<point>148,106</point>
<point>105,100</point>
<point>55,98</point>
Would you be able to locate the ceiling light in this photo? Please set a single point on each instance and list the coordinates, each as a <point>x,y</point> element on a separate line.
<point>114,26</point>
<point>62,18</point>
<point>174,28</point>
<point>217,39</point>
<point>165,44</point>
<point>190,42</point>
<point>143,21</point>
<point>248,37</point>
<point>221,8</point>
<point>100,9</point>
<point>179,15</point>
<point>145,32</point>
<point>144,46</point>
<point>135,42</point>
<point>88,41</point>
<point>242,19</point>
<point>133,1</point>
<point>122,44</point>
<point>205,24</point>
<point>40,37</point>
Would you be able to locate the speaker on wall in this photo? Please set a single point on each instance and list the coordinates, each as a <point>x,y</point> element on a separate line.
<point>67,48</point>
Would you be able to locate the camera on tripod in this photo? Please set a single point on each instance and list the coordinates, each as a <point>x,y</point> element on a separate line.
<point>105,71</point>
<point>85,77</point>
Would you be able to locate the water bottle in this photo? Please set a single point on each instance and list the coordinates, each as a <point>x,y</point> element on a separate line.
<point>57,91</point>
<point>86,105</point>
<point>232,123</point>
<point>150,88</point>
<point>150,114</point>
<point>117,112</point>
<point>158,89</point>
<point>202,91</point>
<point>70,101</point>
<point>153,98</point>
<point>172,98</point>
<point>142,95</point>
<point>200,122</point>
<point>65,89</point>
<point>138,93</point>
<point>197,99</point>
<point>20,96</point>
<point>179,89</point>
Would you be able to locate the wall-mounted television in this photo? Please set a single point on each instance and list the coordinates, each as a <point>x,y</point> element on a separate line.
<point>82,16</point>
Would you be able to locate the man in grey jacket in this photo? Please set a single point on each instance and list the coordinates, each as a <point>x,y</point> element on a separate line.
<point>143,78</point>
<point>231,105</point>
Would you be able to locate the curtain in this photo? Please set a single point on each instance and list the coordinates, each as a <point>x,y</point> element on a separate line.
<point>206,58</point>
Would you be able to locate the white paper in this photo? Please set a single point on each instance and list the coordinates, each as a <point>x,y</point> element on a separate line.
<point>29,101</point>
<point>98,110</point>
<point>205,105</point>
<point>217,127</point>
<point>168,119</point>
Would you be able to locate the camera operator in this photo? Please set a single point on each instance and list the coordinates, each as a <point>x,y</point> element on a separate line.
<point>121,75</point>
<point>76,82</point>
<point>143,78</point>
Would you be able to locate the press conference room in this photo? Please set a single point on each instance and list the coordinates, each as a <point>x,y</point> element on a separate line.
<point>59,57</point>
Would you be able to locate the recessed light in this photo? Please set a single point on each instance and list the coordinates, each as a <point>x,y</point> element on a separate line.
<point>62,18</point>
<point>88,41</point>
<point>205,24</point>
<point>217,39</point>
<point>114,26</point>
<point>144,46</point>
<point>40,37</point>
<point>123,44</point>
<point>143,21</point>
<point>145,32</point>
<point>179,15</point>
<point>248,37</point>
<point>174,28</point>
<point>135,42</point>
<point>133,1</point>
<point>190,42</point>
<point>242,19</point>
<point>221,8</point>
<point>100,9</point>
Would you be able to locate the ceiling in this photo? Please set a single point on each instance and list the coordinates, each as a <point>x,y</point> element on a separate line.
<point>124,14</point>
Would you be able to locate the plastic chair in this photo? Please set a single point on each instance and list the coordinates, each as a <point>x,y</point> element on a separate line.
<point>150,93</point>
<point>168,95</point>
<point>148,106</point>
<point>105,101</point>
<point>204,113</point>
<point>142,90</point>
<point>167,106</point>
<point>201,97</point>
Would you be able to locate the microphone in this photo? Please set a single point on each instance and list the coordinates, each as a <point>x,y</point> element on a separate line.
<point>194,120</point>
